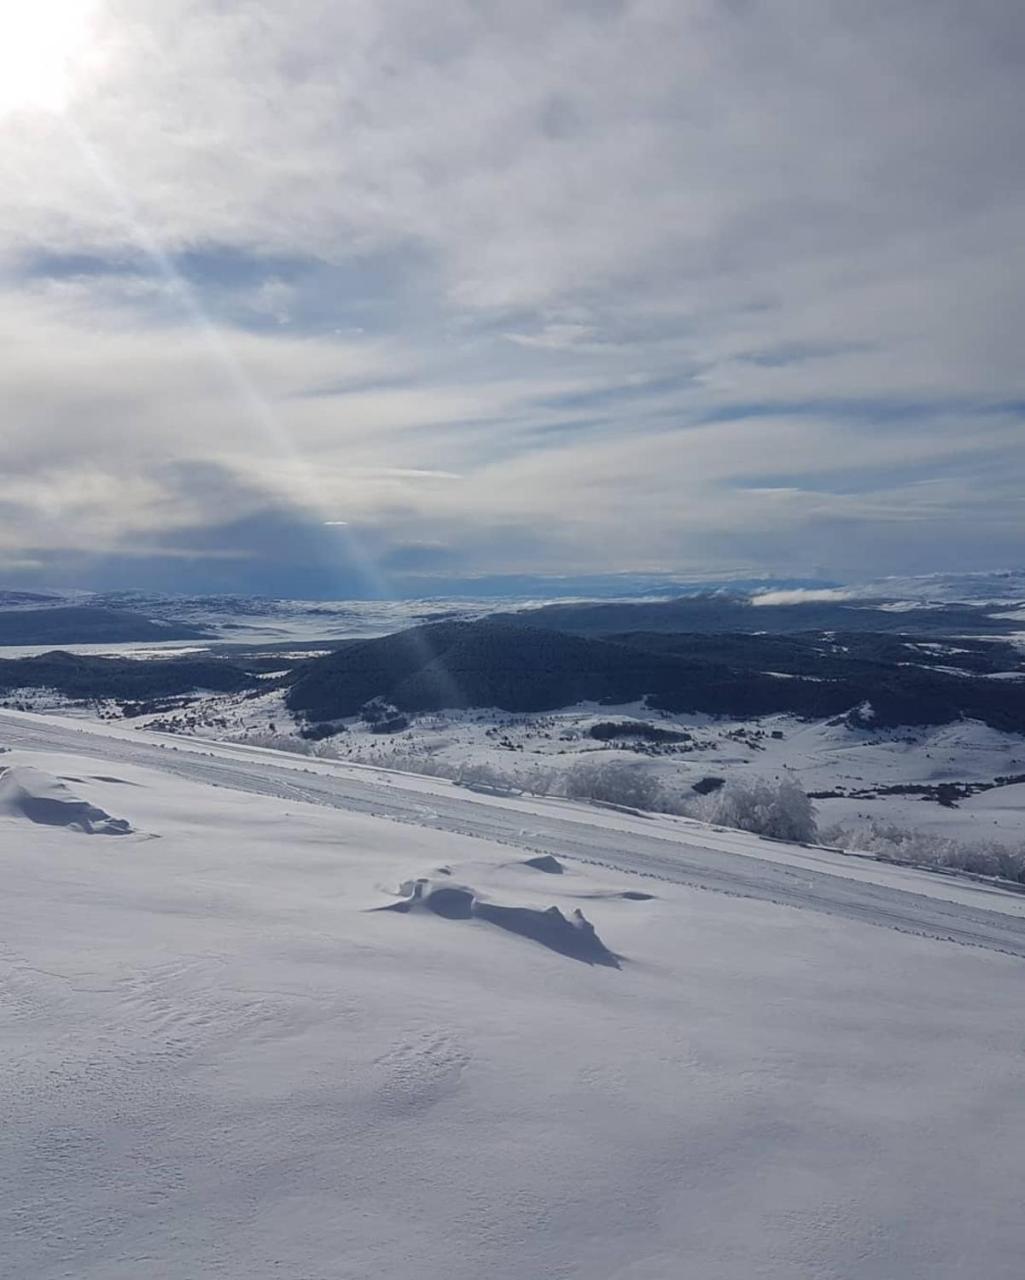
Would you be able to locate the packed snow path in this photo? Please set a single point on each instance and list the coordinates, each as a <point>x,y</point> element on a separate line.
<point>695,857</point>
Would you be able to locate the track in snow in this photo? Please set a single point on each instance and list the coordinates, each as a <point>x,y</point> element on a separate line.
<point>680,861</point>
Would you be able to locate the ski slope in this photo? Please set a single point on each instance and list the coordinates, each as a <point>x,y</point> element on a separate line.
<point>237,1041</point>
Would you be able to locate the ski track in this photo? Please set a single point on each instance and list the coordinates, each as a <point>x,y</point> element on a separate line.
<point>681,861</point>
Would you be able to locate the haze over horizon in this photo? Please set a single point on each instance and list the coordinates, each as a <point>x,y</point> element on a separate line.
<point>326,299</point>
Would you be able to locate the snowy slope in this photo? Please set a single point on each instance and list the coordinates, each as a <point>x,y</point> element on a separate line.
<point>661,847</point>
<point>220,1059</point>
<point>826,756</point>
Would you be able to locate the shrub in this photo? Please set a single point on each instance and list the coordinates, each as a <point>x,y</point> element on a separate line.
<point>914,847</point>
<point>778,808</point>
<point>484,775</point>
<point>610,730</point>
<point>315,732</point>
<point>614,782</point>
<point>706,785</point>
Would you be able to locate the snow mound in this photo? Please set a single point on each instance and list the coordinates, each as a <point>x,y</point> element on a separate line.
<point>573,936</point>
<point>29,793</point>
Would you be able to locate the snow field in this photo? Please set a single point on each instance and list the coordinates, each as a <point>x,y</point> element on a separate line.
<point>221,1060</point>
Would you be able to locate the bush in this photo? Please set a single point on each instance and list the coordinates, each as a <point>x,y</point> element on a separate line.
<point>301,746</point>
<point>913,847</point>
<point>394,724</point>
<point>779,808</point>
<point>611,730</point>
<point>484,775</point>
<point>316,732</point>
<point>614,782</point>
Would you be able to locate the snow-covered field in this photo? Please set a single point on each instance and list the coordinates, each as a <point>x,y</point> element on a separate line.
<point>220,1059</point>
<point>823,756</point>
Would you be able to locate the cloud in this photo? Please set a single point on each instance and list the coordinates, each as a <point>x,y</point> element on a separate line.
<point>565,288</point>
<point>803,595</point>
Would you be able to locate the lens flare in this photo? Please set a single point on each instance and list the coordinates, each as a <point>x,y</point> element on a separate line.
<point>44,45</point>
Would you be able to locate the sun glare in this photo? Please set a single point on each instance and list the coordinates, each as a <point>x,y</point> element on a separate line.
<point>43,45</point>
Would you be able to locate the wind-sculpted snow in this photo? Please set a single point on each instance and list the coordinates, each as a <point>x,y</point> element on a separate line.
<point>28,793</point>
<point>676,851</point>
<point>220,1060</point>
<point>545,862</point>
<point>572,936</point>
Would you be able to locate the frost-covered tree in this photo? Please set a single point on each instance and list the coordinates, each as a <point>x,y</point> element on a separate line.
<point>614,782</point>
<point>778,808</point>
<point>984,858</point>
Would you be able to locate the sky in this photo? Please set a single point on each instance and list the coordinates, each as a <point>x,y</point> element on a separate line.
<point>330,299</point>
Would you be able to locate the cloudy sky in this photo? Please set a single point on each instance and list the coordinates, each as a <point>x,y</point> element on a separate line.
<point>316,297</point>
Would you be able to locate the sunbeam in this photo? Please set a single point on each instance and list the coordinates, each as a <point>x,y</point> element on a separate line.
<point>43,47</point>
<point>251,400</point>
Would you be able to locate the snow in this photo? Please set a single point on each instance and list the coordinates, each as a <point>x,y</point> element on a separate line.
<point>221,1059</point>
<point>25,792</point>
<point>541,825</point>
<point>823,755</point>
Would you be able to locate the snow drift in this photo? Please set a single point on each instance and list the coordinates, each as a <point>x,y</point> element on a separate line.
<point>29,793</point>
<point>572,936</point>
<point>222,1064</point>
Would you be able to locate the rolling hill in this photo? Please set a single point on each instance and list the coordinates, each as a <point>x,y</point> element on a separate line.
<point>722,612</point>
<point>82,676</point>
<point>88,624</point>
<point>491,664</point>
<point>280,1021</point>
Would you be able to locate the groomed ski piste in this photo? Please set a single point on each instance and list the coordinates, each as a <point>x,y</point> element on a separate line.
<point>267,1016</point>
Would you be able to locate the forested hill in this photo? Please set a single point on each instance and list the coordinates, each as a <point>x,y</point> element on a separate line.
<point>717,612</point>
<point>88,624</point>
<point>492,664</point>
<point>878,679</point>
<point>80,676</point>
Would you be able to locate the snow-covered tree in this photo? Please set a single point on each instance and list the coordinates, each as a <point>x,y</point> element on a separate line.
<point>778,808</point>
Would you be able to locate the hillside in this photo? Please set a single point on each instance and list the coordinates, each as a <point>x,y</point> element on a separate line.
<point>80,676</point>
<point>491,664</point>
<point>881,679</point>
<point>834,654</point>
<point>263,1030</point>
<point>464,664</point>
<point>88,624</point>
<point>724,612</point>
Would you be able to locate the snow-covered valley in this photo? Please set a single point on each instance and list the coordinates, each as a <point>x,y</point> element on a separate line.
<point>222,1059</point>
<point>860,777</point>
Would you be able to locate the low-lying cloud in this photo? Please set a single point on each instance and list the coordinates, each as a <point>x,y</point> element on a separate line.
<point>804,595</point>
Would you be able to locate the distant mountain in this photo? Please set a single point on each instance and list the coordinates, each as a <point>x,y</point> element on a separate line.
<point>873,679</point>
<point>84,676</point>
<point>520,669</point>
<point>88,624</point>
<point>1000,586</point>
<point>23,599</point>
<point>716,612</point>
<point>847,655</point>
